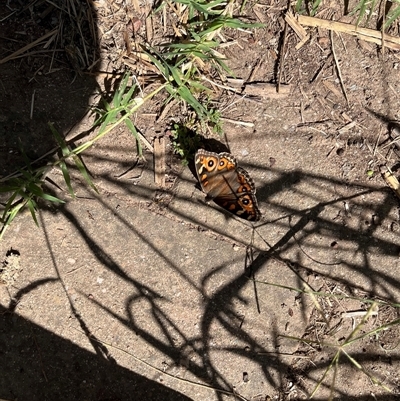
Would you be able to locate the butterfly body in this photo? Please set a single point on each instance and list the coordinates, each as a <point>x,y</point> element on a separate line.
<point>227,184</point>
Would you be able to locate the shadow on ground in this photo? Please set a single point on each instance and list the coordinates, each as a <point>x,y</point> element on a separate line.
<point>43,84</point>
<point>174,282</point>
<point>39,365</point>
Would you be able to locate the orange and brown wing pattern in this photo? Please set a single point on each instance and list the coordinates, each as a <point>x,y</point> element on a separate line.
<point>228,185</point>
<point>210,166</point>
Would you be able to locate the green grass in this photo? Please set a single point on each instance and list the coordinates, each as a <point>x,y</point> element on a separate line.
<point>182,63</point>
<point>28,185</point>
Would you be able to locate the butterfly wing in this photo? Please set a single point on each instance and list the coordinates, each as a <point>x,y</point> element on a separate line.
<point>212,171</point>
<point>228,185</point>
<point>240,199</point>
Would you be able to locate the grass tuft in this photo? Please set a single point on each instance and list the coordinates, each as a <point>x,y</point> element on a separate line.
<point>182,63</point>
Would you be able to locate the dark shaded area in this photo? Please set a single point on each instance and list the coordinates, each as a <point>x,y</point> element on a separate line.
<point>39,365</point>
<point>42,84</point>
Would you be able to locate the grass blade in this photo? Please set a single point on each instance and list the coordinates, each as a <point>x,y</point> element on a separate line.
<point>67,177</point>
<point>32,208</point>
<point>36,190</point>
<point>60,141</point>
<point>391,17</point>
<point>134,132</point>
<point>84,172</point>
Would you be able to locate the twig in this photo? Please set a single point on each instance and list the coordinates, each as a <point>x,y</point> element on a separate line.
<point>377,142</point>
<point>255,69</point>
<point>149,24</point>
<point>27,47</point>
<point>359,313</point>
<point>228,88</point>
<point>297,28</point>
<point>366,34</point>
<point>244,123</point>
<point>347,127</point>
<point>8,16</point>
<point>266,90</point>
<point>32,103</point>
<point>39,353</point>
<point>282,55</point>
<point>338,69</point>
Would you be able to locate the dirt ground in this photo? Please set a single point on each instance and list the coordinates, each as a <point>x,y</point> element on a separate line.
<point>144,293</point>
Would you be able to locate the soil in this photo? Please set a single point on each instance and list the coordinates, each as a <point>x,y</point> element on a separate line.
<point>142,292</point>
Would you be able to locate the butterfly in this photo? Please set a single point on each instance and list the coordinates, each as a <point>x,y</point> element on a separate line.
<point>227,184</point>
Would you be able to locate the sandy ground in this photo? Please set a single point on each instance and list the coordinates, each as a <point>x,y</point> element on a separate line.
<point>138,293</point>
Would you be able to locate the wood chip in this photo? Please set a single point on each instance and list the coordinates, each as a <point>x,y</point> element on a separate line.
<point>346,117</point>
<point>236,82</point>
<point>347,127</point>
<point>390,180</point>
<point>302,43</point>
<point>149,25</point>
<point>136,5</point>
<point>331,86</point>
<point>159,161</point>
<point>266,90</point>
<point>298,29</point>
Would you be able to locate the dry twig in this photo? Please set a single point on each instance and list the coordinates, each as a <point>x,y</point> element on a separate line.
<point>369,35</point>
<point>27,47</point>
<point>297,28</point>
<point>338,70</point>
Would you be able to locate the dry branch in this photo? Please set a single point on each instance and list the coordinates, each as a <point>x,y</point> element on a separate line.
<point>369,35</point>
